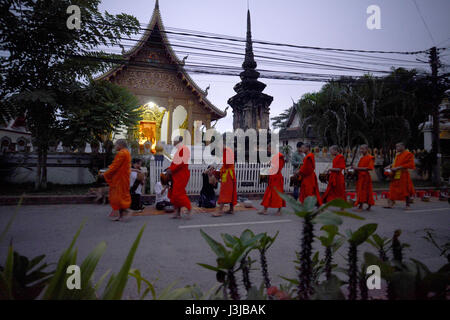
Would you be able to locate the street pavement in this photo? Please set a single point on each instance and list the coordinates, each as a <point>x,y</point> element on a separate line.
<point>170,249</point>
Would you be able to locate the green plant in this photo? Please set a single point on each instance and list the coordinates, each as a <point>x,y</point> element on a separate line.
<point>381,244</point>
<point>413,279</point>
<point>227,259</point>
<point>57,288</point>
<point>247,240</point>
<point>263,244</point>
<point>355,239</point>
<point>311,214</point>
<point>331,245</point>
<point>444,249</point>
<point>23,279</point>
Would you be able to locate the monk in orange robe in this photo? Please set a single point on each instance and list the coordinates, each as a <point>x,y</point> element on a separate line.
<point>309,186</point>
<point>364,191</point>
<point>271,198</point>
<point>336,181</point>
<point>228,188</point>
<point>118,179</point>
<point>401,186</point>
<point>179,169</point>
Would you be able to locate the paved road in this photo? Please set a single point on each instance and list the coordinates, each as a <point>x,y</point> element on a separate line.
<point>170,249</point>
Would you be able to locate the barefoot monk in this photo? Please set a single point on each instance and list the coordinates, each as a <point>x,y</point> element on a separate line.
<point>179,169</point>
<point>271,197</point>
<point>364,191</point>
<point>336,181</point>
<point>118,179</point>
<point>309,186</point>
<point>228,189</point>
<point>401,187</point>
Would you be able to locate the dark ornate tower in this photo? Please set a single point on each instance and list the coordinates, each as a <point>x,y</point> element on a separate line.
<point>250,105</point>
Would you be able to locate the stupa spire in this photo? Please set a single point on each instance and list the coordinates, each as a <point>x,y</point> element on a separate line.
<point>249,62</point>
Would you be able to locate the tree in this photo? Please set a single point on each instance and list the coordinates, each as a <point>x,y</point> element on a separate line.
<point>97,110</point>
<point>376,111</point>
<point>280,121</point>
<point>46,62</point>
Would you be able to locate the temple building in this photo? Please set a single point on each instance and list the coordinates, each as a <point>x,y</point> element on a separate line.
<point>169,98</point>
<point>250,105</point>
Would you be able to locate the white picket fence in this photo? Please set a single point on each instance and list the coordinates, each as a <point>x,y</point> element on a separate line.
<point>247,175</point>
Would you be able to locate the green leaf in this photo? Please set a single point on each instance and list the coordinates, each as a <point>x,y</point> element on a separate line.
<point>218,248</point>
<point>295,205</point>
<point>309,203</point>
<point>348,214</point>
<point>100,281</point>
<point>88,267</point>
<point>6,276</point>
<point>10,221</point>
<point>338,203</point>
<point>363,233</point>
<point>114,290</point>
<point>330,229</point>
<point>378,240</point>
<point>229,240</point>
<point>329,290</point>
<point>57,286</point>
<point>328,218</point>
<point>209,267</point>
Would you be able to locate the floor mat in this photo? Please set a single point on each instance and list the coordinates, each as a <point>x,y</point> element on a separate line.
<point>151,211</point>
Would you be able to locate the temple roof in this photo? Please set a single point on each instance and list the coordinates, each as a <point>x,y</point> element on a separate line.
<point>250,87</point>
<point>156,25</point>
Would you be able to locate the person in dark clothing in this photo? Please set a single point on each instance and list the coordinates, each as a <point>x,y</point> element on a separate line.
<point>297,161</point>
<point>208,194</point>
<point>136,184</point>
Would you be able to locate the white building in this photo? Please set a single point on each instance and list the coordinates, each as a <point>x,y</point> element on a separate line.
<point>294,133</point>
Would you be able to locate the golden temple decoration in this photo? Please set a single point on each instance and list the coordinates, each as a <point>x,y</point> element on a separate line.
<point>149,129</point>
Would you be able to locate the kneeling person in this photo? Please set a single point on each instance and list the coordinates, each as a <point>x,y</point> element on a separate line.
<point>162,200</point>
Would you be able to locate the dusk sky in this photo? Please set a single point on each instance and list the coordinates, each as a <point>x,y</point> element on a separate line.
<point>322,23</point>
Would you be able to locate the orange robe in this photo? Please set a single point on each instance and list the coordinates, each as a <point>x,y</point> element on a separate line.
<point>401,185</point>
<point>364,192</point>
<point>336,182</point>
<point>309,186</point>
<point>180,177</point>
<point>118,179</point>
<point>228,188</point>
<point>271,198</point>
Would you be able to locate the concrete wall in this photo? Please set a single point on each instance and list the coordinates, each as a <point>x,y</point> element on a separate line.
<point>69,168</point>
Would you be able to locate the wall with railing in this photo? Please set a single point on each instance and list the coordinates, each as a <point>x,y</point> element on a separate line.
<point>247,175</point>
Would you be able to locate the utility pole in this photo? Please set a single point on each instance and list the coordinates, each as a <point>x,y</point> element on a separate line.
<point>436,144</point>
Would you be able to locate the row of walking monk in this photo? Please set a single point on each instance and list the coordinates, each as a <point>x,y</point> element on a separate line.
<point>303,161</point>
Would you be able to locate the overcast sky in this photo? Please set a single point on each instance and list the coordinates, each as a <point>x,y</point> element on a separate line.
<point>322,23</point>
